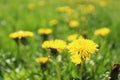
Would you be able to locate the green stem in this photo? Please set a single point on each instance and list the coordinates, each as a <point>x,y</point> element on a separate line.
<point>57,70</point>
<point>81,71</point>
<point>44,77</point>
<point>26,54</point>
<point>19,46</point>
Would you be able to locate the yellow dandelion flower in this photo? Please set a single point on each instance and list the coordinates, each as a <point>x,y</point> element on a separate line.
<point>73,23</point>
<point>44,31</point>
<point>102,32</point>
<point>28,33</point>
<point>72,37</point>
<point>83,47</point>
<point>20,34</point>
<point>42,60</point>
<point>31,6</point>
<point>53,22</point>
<point>76,59</point>
<point>56,46</point>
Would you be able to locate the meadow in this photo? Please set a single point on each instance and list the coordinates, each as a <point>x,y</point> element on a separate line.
<point>59,39</point>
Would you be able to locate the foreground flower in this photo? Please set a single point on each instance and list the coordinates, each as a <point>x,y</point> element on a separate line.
<point>73,24</point>
<point>82,47</point>
<point>44,31</point>
<point>21,35</point>
<point>56,46</point>
<point>102,32</point>
<point>72,37</point>
<point>42,60</point>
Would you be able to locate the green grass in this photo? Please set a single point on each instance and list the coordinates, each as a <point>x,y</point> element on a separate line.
<point>15,15</point>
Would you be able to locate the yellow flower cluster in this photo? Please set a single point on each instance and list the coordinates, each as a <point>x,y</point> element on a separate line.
<point>54,45</point>
<point>44,31</point>
<point>42,60</point>
<point>102,32</point>
<point>73,23</point>
<point>81,48</point>
<point>72,37</point>
<point>20,34</point>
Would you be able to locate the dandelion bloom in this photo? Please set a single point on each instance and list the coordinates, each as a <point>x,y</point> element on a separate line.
<point>102,32</point>
<point>83,48</point>
<point>42,60</point>
<point>73,24</point>
<point>21,34</point>
<point>56,46</point>
<point>53,22</point>
<point>72,37</point>
<point>76,59</point>
<point>44,31</point>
